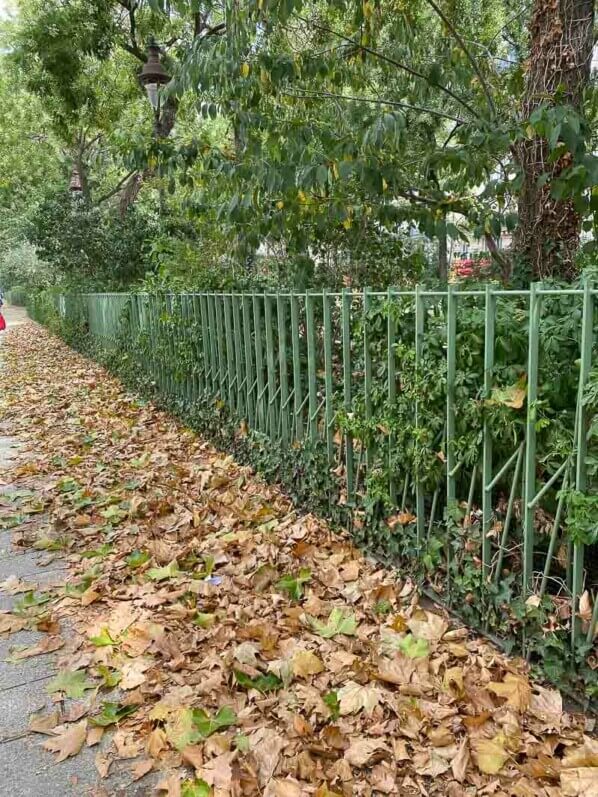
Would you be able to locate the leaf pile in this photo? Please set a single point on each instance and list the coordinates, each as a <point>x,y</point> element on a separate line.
<point>246,643</point>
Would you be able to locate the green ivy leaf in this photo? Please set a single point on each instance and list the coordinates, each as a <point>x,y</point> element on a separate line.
<point>111,714</point>
<point>333,703</point>
<point>263,683</point>
<point>207,725</point>
<point>110,677</point>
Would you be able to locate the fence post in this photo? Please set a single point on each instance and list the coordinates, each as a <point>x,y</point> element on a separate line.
<point>282,364</point>
<point>270,366</point>
<point>530,437</point>
<point>451,368</point>
<point>349,464</point>
<point>367,362</point>
<point>311,367</point>
<point>587,336</point>
<point>250,383</point>
<point>392,391</point>
<point>230,349</point>
<point>260,415</point>
<point>329,413</point>
<point>297,387</point>
<point>419,349</point>
<point>489,331</point>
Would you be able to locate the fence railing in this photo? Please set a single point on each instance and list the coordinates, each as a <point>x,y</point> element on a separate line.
<point>460,425</point>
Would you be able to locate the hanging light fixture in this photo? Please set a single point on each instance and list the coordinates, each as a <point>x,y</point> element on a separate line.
<point>75,187</point>
<point>153,75</point>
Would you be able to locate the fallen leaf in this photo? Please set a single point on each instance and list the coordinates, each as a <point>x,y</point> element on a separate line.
<point>68,742</point>
<point>306,663</point>
<point>141,768</point>
<point>360,751</point>
<point>354,697</point>
<point>517,690</point>
<point>489,755</point>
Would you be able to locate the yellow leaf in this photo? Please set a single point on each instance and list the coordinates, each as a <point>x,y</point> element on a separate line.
<point>244,69</point>
<point>280,204</point>
<point>489,754</point>
<point>306,663</point>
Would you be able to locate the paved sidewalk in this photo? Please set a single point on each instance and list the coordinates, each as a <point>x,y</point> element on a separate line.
<point>26,770</point>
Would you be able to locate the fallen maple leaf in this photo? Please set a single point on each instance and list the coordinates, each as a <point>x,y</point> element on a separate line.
<point>69,742</point>
<point>306,663</point>
<point>490,755</point>
<point>360,751</point>
<point>354,697</point>
<point>517,690</point>
<point>338,622</point>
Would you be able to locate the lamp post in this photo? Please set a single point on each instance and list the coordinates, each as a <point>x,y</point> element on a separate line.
<point>152,77</point>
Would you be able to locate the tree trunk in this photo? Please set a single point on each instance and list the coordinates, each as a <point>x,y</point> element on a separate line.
<point>443,254</point>
<point>561,40</point>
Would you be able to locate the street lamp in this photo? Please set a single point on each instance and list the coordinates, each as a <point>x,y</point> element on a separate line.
<point>153,75</point>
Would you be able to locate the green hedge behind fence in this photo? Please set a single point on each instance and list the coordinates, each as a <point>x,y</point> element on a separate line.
<point>455,431</point>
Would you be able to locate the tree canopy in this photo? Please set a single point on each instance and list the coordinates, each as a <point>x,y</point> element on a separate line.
<point>322,130</point>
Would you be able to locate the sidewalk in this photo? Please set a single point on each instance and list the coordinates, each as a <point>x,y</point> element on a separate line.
<point>210,641</point>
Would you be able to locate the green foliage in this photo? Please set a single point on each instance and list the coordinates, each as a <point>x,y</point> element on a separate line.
<point>91,246</point>
<point>263,683</point>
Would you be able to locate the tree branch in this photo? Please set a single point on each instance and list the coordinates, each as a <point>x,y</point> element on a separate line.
<point>376,101</point>
<point>392,61</point>
<point>118,187</point>
<point>465,49</point>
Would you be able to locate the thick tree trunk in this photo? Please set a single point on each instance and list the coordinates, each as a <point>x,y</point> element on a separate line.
<point>561,40</point>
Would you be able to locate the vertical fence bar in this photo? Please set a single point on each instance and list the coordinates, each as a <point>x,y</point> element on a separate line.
<point>213,335</point>
<point>270,365</point>
<point>346,320</point>
<point>329,413</point>
<point>311,366</point>
<point>587,335</point>
<point>489,332</point>
<point>219,311</point>
<point>239,356</point>
<point>201,365</point>
<point>250,383</point>
<point>367,365</point>
<point>451,369</point>
<point>239,350</point>
<point>230,350</point>
<point>419,350</point>
<point>205,343</point>
<point>297,386</point>
<point>530,437</point>
<point>260,414</point>
<point>392,392</point>
<point>283,372</point>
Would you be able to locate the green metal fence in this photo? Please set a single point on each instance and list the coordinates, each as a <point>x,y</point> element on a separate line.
<point>461,424</point>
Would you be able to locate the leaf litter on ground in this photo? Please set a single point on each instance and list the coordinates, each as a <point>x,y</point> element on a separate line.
<point>254,650</point>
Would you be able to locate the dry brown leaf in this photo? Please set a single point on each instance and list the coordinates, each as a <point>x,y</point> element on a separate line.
<point>360,751</point>
<point>48,644</point>
<point>460,762</point>
<point>427,625</point>
<point>69,742</point>
<point>141,769</point>
<point>354,697</point>
<point>10,624</point>
<point>94,736</point>
<point>44,723</point>
<point>286,788</point>
<point>306,663</point>
<point>580,782</point>
<point>516,688</point>
<point>102,764</point>
<point>428,762</point>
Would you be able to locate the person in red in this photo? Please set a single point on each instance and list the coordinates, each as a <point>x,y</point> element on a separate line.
<point>2,321</point>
